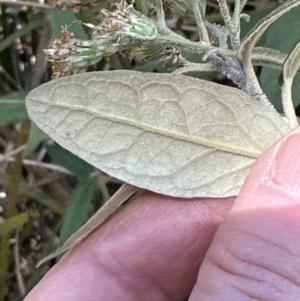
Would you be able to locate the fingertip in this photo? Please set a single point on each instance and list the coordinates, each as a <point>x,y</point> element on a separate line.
<point>275,176</point>
<point>256,250</point>
<point>285,170</point>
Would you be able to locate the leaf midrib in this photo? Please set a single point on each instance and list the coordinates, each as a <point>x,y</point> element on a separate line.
<point>170,134</point>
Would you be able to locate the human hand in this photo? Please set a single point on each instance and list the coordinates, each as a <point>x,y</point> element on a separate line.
<point>153,249</point>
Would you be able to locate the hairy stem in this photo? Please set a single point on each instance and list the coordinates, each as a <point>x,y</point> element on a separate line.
<point>236,24</point>
<point>161,24</point>
<point>185,44</point>
<point>200,23</point>
<point>287,103</point>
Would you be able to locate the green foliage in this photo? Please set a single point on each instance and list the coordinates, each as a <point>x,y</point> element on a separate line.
<point>12,108</point>
<point>79,208</point>
<point>63,157</point>
<point>14,223</point>
<point>36,136</point>
<point>66,19</point>
<point>255,16</point>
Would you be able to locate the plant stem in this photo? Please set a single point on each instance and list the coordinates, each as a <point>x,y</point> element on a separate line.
<point>235,21</point>
<point>243,3</point>
<point>290,68</point>
<point>161,24</point>
<point>195,67</point>
<point>221,34</point>
<point>231,23</point>
<point>287,103</point>
<point>171,38</point>
<point>203,34</point>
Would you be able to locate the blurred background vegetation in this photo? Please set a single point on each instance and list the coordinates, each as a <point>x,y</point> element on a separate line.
<point>46,193</point>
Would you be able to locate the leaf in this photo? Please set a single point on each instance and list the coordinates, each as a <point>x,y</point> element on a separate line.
<point>79,205</point>
<point>14,223</point>
<point>35,138</point>
<point>255,17</point>
<point>110,207</point>
<point>64,18</point>
<point>171,134</point>
<point>12,108</point>
<point>63,157</point>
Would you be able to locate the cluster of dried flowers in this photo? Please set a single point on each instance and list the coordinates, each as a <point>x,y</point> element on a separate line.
<point>123,29</point>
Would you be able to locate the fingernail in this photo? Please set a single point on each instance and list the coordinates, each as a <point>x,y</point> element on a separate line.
<point>285,170</point>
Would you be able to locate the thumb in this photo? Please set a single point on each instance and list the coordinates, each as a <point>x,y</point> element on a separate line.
<point>255,254</point>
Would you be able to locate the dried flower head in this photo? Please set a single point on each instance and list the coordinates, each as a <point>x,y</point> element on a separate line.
<point>124,22</point>
<point>70,55</point>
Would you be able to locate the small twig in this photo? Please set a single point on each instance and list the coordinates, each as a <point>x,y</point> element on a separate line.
<point>42,153</point>
<point>11,101</point>
<point>18,273</point>
<point>50,166</point>
<point>12,153</point>
<point>103,187</point>
<point>45,181</point>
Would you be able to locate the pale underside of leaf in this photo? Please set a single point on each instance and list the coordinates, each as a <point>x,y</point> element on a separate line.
<point>168,133</point>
